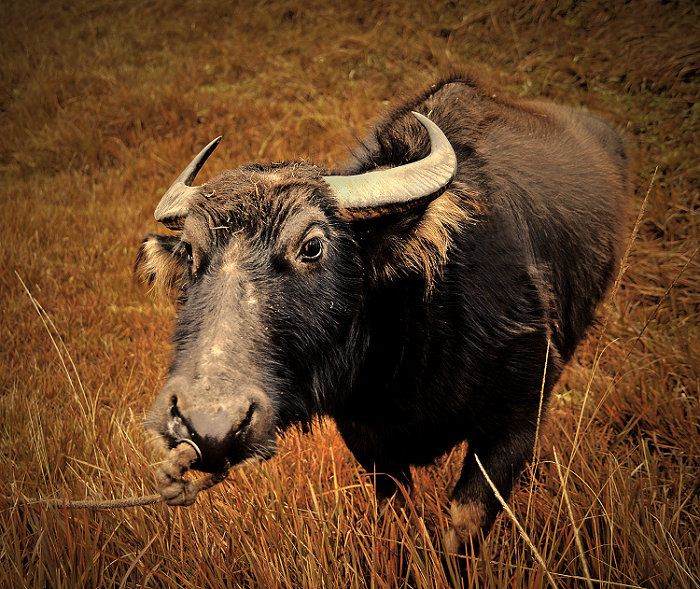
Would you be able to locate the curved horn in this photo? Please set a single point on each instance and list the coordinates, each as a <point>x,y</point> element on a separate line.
<point>178,198</point>
<point>403,184</point>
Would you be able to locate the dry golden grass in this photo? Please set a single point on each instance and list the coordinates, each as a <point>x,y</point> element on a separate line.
<point>102,103</point>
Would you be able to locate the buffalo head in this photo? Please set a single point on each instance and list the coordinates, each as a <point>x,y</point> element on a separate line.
<point>270,271</point>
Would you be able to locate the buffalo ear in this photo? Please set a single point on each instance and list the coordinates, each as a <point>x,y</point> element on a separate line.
<point>413,241</point>
<point>161,263</point>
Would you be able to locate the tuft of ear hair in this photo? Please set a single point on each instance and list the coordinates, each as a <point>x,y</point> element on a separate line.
<point>423,249</point>
<point>161,263</point>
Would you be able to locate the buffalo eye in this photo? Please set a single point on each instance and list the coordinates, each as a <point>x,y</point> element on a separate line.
<point>311,249</point>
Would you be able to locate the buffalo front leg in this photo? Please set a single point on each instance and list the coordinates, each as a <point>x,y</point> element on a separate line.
<point>474,505</point>
<point>391,483</point>
<point>392,478</point>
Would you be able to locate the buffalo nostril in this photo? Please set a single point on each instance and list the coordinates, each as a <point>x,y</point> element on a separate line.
<point>177,428</point>
<point>247,420</point>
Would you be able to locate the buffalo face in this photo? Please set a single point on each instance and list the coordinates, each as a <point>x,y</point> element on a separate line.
<point>269,285</point>
<point>270,267</point>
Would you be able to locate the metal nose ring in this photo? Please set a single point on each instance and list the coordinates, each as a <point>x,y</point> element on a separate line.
<point>191,443</point>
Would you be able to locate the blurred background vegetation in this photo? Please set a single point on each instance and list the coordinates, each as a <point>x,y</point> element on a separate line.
<point>101,105</point>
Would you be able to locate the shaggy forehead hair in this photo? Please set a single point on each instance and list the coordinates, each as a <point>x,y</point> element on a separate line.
<point>260,197</point>
<point>254,199</point>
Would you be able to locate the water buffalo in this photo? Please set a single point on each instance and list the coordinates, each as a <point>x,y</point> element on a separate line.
<point>412,295</point>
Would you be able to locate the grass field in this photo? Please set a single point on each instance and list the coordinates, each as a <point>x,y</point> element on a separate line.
<point>101,105</point>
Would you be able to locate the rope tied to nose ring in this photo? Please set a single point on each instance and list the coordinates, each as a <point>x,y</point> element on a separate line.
<point>174,489</point>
